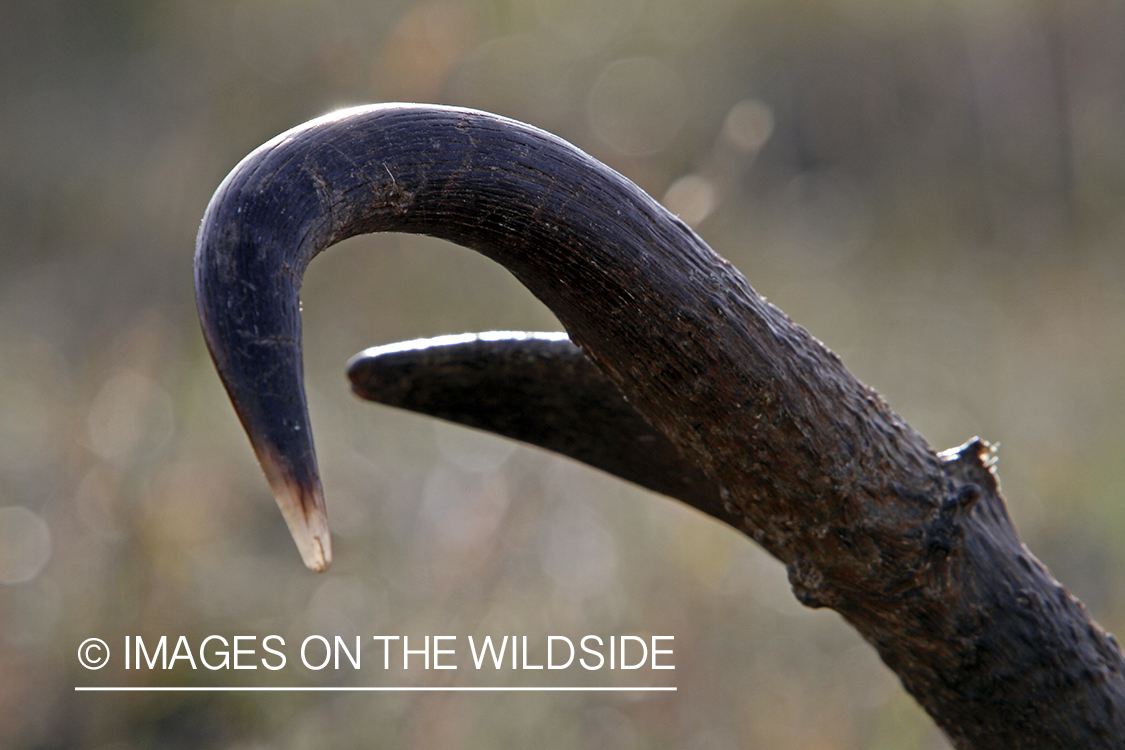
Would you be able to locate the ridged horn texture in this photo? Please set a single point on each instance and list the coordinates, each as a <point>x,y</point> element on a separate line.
<point>913,548</point>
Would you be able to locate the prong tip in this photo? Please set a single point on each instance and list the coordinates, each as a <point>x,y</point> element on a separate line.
<point>302,505</point>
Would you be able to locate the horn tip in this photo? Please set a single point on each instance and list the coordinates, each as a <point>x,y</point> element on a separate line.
<point>302,506</point>
<point>315,545</point>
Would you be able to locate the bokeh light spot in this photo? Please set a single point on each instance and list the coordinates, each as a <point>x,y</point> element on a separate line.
<point>637,106</point>
<point>692,198</point>
<point>25,544</point>
<point>749,125</point>
<point>130,416</point>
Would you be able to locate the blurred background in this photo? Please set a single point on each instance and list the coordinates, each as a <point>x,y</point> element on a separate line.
<point>932,187</point>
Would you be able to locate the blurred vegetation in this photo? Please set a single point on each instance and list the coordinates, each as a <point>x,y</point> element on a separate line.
<point>934,188</point>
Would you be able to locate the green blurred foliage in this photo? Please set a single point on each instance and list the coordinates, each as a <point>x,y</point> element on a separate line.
<point>932,188</point>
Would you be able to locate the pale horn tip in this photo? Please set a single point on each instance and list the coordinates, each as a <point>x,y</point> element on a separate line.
<point>302,506</point>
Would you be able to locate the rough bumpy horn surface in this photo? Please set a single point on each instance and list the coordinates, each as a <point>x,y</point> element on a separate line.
<point>913,548</point>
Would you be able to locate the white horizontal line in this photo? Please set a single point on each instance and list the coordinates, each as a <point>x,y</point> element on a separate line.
<point>364,689</point>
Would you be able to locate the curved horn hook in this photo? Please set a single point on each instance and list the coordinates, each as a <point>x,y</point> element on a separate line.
<point>914,549</point>
<point>740,390</point>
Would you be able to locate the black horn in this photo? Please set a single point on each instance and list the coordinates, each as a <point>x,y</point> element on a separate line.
<point>914,548</point>
<point>538,388</point>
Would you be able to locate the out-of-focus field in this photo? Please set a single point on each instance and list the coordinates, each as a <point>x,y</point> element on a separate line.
<point>934,189</point>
